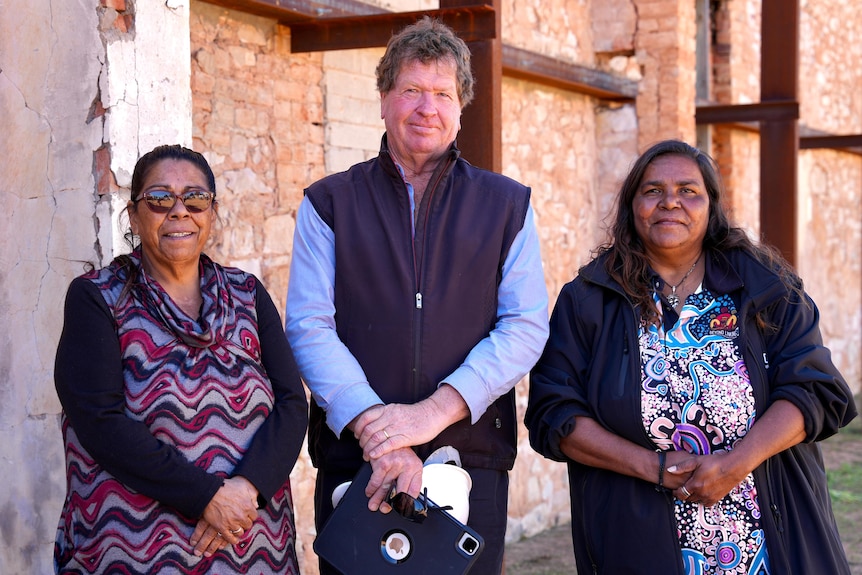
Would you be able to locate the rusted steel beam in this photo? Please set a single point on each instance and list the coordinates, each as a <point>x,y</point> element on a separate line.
<point>780,110</point>
<point>481,137</point>
<point>293,11</point>
<point>779,137</point>
<point>533,67</point>
<point>830,141</point>
<point>374,30</point>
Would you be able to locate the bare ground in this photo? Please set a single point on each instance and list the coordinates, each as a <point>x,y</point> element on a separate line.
<point>550,552</point>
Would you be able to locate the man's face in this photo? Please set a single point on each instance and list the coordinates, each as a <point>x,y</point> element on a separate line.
<point>422,111</point>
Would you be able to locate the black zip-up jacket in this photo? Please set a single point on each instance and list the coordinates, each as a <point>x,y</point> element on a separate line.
<point>591,366</point>
<point>410,310</point>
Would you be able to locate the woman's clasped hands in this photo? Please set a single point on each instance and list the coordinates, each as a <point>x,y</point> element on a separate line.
<point>703,479</point>
<point>227,518</point>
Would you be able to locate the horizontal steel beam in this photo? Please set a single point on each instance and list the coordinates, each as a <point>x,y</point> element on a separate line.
<point>292,11</point>
<point>533,67</point>
<point>760,112</point>
<point>830,141</point>
<point>322,25</point>
<point>374,30</point>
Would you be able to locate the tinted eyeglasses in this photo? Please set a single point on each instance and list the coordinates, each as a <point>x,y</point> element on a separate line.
<point>406,506</point>
<point>161,201</point>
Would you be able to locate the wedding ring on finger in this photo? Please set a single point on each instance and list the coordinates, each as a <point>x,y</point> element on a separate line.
<point>386,434</point>
<point>236,531</point>
<point>218,534</point>
<point>685,492</point>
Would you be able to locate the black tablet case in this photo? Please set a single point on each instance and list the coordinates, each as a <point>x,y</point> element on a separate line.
<point>358,541</point>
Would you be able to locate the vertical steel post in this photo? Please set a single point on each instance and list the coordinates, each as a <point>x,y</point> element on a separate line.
<point>481,137</point>
<point>779,139</point>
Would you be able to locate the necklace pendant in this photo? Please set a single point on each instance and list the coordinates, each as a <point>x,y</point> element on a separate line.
<point>673,300</point>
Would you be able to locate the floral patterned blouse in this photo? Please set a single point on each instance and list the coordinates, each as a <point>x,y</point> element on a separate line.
<point>696,396</point>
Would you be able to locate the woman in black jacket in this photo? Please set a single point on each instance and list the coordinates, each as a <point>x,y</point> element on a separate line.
<point>686,384</point>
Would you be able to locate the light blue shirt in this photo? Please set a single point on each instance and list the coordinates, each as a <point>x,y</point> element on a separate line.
<point>335,378</point>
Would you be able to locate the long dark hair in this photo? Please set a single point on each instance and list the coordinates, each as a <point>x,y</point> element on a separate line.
<point>143,167</point>
<point>627,262</point>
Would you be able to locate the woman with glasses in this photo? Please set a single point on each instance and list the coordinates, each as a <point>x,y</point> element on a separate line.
<point>183,411</point>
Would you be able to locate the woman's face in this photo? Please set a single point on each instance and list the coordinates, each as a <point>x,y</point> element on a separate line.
<point>671,208</point>
<point>176,238</point>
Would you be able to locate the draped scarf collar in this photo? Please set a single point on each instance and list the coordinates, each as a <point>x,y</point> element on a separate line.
<point>216,312</point>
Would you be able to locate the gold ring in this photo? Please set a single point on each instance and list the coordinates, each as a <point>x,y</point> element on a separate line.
<point>386,434</point>
<point>685,492</point>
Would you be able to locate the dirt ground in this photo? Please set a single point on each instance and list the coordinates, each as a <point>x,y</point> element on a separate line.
<point>550,552</point>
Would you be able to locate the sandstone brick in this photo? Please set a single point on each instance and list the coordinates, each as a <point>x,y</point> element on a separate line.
<point>118,5</point>
<point>105,182</point>
<point>124,22</point>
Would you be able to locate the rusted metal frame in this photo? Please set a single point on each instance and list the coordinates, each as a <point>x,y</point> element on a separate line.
<point>849,143</point>
<point>292,11</point>
<point>481,137</point>
<point>759,112</point>
<point>348,24</point>
<point>374,30</point>
<point>516,62</point>
<point>540,69</point>
<point>779,138</point>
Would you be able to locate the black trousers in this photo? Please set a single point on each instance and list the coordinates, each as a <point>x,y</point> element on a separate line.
<point>489,504</point>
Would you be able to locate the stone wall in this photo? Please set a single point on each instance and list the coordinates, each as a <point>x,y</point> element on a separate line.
<point>559,165</point>
<point>665,50</point>
<point>830,181</point>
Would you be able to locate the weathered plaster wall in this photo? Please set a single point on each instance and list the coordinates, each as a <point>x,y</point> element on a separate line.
<point>47,229</point>
<point>830,36</point>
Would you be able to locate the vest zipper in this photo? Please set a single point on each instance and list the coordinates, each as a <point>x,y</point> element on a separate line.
<point>417,269</point>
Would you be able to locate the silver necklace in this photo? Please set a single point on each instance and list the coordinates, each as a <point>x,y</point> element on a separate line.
<point>673,299</point>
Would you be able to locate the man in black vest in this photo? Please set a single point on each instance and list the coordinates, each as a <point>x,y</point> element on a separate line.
<point>417,299</point>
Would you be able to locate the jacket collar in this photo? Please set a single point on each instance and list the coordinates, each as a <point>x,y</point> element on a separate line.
<point>390,168</point>
<point>728,272</point>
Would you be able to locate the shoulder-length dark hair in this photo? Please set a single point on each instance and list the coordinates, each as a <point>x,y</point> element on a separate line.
<point>627,262</point>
